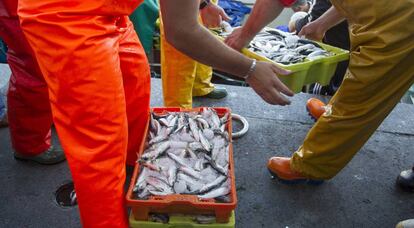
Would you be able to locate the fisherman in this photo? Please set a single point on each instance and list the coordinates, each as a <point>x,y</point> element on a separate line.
<point>337,36</point>
<point>29,116</point>
<point>380,71</point>
<point>184,78</point>
<point>99,86</point>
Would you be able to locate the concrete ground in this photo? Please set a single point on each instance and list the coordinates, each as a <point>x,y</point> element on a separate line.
<point>362,195</point>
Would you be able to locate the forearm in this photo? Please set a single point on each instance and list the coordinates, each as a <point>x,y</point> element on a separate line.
<point>183,31</point>
<point>264,12</point>
<point>329,19</point>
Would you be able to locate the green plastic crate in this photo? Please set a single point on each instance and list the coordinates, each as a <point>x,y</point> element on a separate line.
<point>177,221</point>
<point>319,70</point>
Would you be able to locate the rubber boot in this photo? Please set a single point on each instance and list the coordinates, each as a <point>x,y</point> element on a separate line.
<point>316,108</point>
<point>279,167</point>
<point>406,180</point>
<point>217,93</point>
<point>49,157</point>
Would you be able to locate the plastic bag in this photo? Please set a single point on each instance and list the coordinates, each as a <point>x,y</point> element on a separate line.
<point>236,10</point>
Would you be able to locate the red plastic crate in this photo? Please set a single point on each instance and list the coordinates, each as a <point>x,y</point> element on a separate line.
<point>183,204</point>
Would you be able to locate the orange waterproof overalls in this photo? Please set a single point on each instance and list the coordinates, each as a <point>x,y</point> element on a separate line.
<point>29,114</point>
<point>99,87</point>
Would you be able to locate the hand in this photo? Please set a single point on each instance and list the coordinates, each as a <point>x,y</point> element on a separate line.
<point>212,15</point>
<point>313,31</point>
<point>267,85</point>
<point>237,40</point>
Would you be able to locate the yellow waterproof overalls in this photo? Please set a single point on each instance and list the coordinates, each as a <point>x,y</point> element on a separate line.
<point>381,69</point>
<point>182,77</point>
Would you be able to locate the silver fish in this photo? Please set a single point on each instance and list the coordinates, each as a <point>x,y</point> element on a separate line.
<point>194,129</point>
<point>158,151</point>
<point>215,166</point>
<point>186,153</point>
<point>215,193</point>
<point>159,138</point>
<point>176,159</point>
<point>214,184</point>
<point>208,133</point>
<point>159,185</point>
<point>163,122</point>
<point>191,172</point>
<point>203,123</point>
<point>180,186</point>
<point>204,142</point>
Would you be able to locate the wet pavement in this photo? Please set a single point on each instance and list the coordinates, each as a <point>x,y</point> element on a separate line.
<point>362,195</point>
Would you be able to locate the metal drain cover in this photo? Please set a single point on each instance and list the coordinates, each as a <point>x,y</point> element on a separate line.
<point>66,196</point>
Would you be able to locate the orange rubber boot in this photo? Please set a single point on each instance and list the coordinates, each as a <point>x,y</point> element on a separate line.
<point>279,167</point>
<point>316,108</point>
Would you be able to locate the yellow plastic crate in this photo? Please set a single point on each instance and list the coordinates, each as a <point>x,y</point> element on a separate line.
<point>310,71</point>
<point>180,221</point>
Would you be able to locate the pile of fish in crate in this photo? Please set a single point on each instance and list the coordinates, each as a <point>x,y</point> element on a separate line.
<point>285,48</point>
<point>187,153</point>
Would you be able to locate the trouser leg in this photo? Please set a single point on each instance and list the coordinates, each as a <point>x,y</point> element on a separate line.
<point>88,105</point>
<point>29,113</point>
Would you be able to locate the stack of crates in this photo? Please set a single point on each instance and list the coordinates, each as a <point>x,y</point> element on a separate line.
<point>189,205</point>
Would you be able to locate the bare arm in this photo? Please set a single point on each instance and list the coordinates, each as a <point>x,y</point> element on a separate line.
<point>183,31</point>
<point>330,18</point>
<point>316,30</point>
<point>264,12</point>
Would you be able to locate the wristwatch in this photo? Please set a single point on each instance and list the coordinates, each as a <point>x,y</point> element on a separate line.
<point>204,3</point>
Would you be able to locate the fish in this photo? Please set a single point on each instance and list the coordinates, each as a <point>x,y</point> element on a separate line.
<point>223,199</point>
<point>159,185</point>
<point>215,193</point>
<point>204,142</point>
<point>141,180</point>
<point>177,159</point>
<point>172,175</point>
<point>157,151</point>
<point>215,183</point>
<point>215,166</point>
<point>203,124</point>
<point>191,172</point>
<point>180,187</point>
<point>208,133</point>
<point>205,219</point>
<point>159,138</point>
<point>185,153</point>
<point>194,129</point>
<point>163,122</point>
<point>285,48</point>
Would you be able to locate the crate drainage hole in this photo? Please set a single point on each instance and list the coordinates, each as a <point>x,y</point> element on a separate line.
<point>66,196</point>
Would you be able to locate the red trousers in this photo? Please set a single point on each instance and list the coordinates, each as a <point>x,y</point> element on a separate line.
<point>29,111</point>
<point>99,86</point>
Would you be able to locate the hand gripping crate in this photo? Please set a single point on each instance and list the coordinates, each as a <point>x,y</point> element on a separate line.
<point>318,70</point>
<point>307,72</point>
